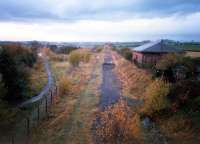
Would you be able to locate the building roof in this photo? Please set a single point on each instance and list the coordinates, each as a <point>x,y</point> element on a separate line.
<point>157,47</point>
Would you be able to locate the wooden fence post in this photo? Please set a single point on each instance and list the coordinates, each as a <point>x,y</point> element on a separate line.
<point>12,139</point>
<point>38,111</point>
<point>28,125</point>
<point>51,97</point>
<point>57,91</point>
<point>46,104</point>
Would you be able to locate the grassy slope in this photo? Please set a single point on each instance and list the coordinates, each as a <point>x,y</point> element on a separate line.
<point>72,116</point>
<point>134,80</point>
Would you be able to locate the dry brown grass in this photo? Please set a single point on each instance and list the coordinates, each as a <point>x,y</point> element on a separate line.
<point>71,116</point>
<point>134,80</point>
<point>179,129</point>
<point>64,85</point>
<point>118,124</point>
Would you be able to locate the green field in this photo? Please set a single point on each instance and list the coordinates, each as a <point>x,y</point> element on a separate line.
<point>189,46</point>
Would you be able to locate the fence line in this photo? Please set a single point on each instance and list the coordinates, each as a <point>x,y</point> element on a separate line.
<point>36,109</point>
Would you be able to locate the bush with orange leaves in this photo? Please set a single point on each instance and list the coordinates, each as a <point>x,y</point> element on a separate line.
<point>118,124</point>
<point>64,85</point>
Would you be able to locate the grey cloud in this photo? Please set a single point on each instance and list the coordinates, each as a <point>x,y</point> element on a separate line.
<point>13,10</point>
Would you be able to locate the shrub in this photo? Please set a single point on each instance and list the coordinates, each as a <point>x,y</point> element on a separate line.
<point>176,124</point>
<point>99,49</point>
<point>156,97</point>
<point>118,124</point>
<point>184,94</point>
<point>63,49</point>
<point>21,55</point>
<point>173,65</point>
<point>85,56</point>
<point>2,88</point>
<point>75,58</point>
<point>14,63</point>
<point>126,53</point>
<point>189,63</point>
<point>168,61</point>
<point>64,85</point>
<point>8,118</point>
<point>14,77</point>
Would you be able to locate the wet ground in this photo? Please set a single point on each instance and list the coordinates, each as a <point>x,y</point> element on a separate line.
<point>110,88</point>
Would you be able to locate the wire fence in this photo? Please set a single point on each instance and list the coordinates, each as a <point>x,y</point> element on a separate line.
<point>33,111</point>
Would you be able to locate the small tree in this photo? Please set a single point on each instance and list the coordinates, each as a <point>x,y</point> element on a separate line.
<point>85,56</point>
<point>14,61</point>
<point>156,97</point>
<point>126,53</point>
<point>75,58</point>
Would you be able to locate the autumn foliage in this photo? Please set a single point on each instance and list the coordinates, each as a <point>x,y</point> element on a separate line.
<point>64,85</point>
<point>118,124</point>
<point>75,57</point>
<point>156,97</point>
<point>15,62</point>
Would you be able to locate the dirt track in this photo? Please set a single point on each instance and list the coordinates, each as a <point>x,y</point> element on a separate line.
<point>110,88</point>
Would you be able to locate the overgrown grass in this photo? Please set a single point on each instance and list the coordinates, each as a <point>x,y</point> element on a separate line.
<point>173,107</point>
<point>156,97</point>
<point>38,79</point>
<point>118,124</point>
<point>134,80</point>
<point>71,117</point>
<point>64,85</point>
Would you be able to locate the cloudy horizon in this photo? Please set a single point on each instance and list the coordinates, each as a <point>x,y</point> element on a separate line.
<point>99,20</point>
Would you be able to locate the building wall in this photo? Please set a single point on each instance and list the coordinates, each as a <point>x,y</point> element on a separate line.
<point>147,58</point>
<point>151,58</point>
<point>137,57</point>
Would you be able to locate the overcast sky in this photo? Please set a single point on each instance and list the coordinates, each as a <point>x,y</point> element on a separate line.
<point>99,20</point>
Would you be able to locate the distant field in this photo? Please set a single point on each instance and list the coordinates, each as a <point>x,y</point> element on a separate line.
<point>189,47</point>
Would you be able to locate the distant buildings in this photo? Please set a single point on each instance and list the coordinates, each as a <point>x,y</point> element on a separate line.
<point>152,52</point>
